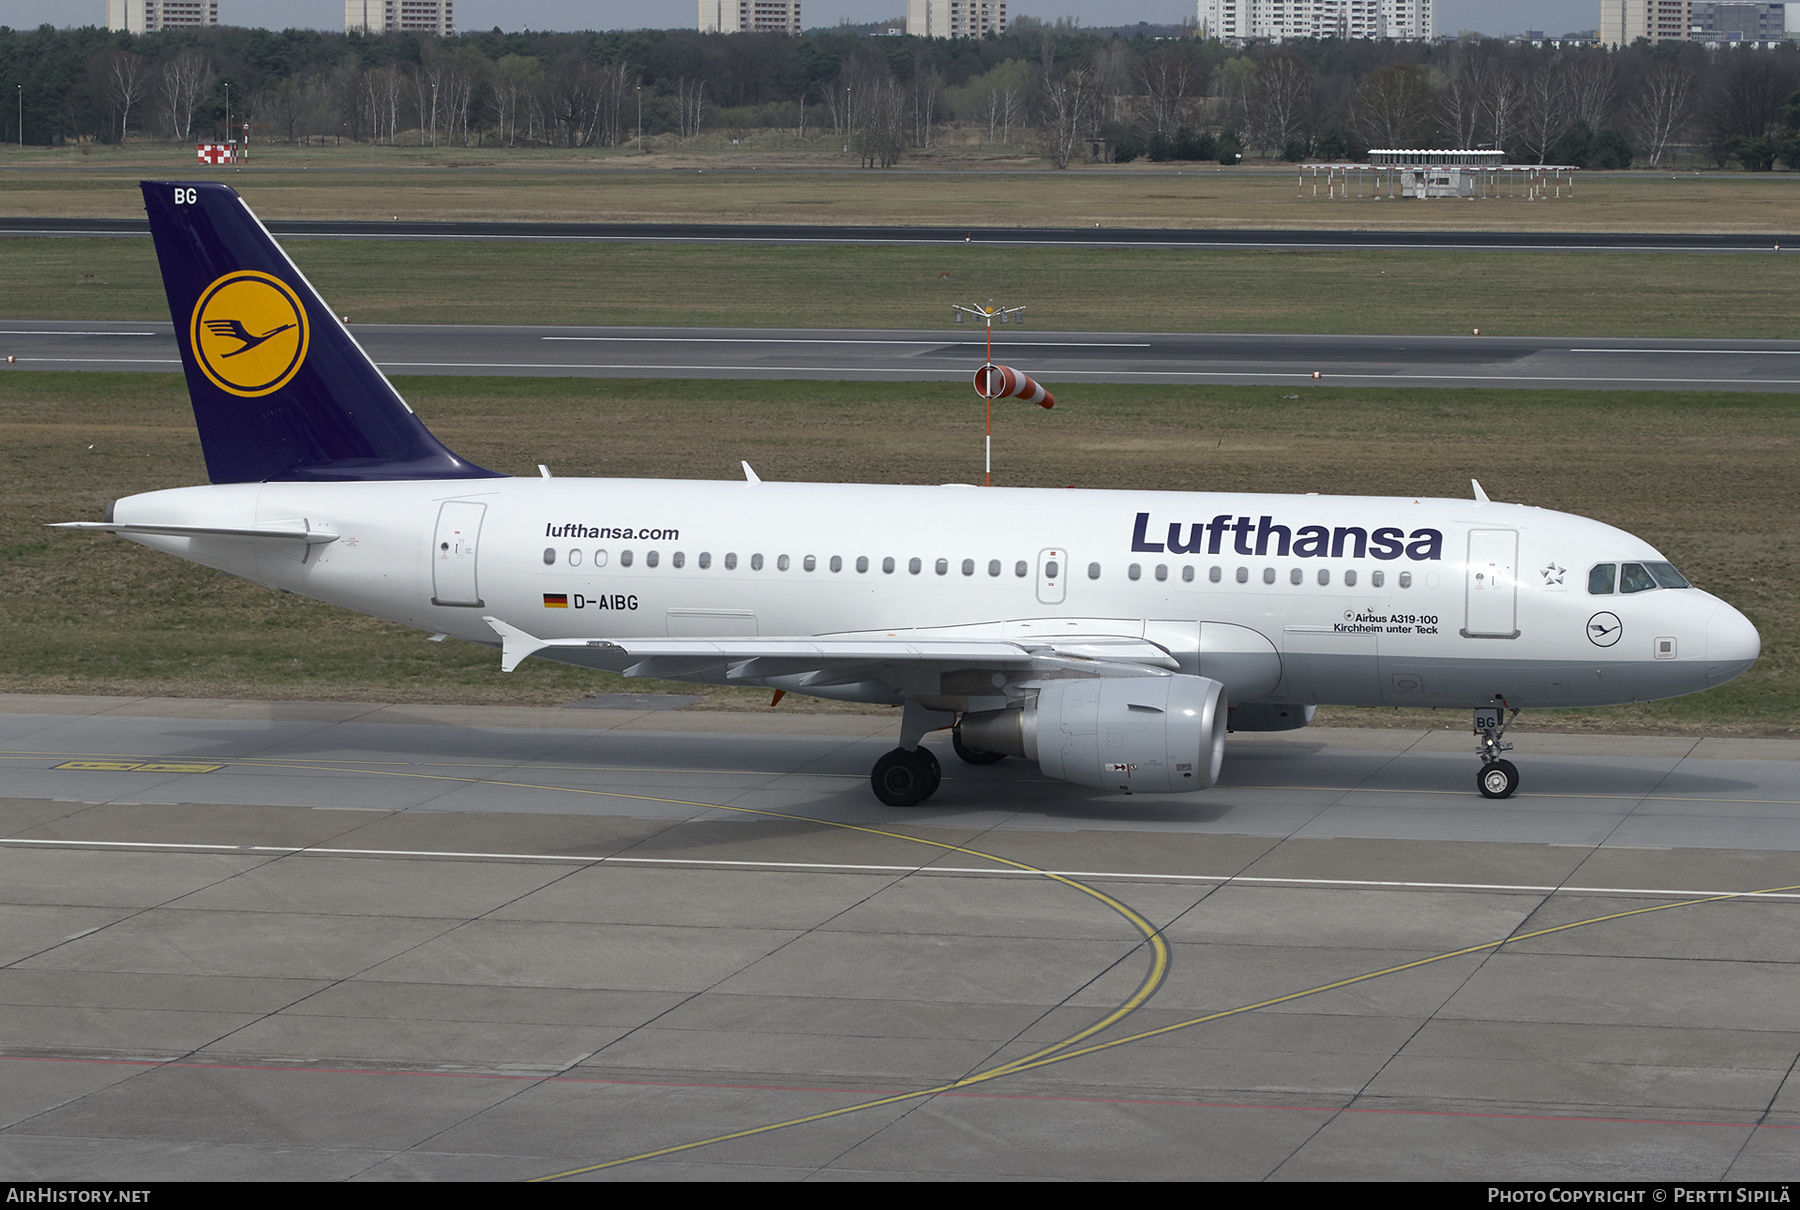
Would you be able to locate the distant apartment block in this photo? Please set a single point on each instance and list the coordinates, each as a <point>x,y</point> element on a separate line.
<point>955,18</point>
<point>150,16</point>
<point>1623,22</point>
<point>397,16</point>
<point>1284,20</point>
<point>1734,21</point>
<point>749,16</point>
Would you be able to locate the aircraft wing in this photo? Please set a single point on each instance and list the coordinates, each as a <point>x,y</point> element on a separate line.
<point>914,664</point>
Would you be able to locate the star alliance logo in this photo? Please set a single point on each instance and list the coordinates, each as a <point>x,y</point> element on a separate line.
<point>1553,575</point>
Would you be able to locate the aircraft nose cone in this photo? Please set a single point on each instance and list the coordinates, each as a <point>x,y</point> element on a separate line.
<point>1732,644</point>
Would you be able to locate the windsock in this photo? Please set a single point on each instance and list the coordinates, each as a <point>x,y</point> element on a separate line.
<point>1004,382</point>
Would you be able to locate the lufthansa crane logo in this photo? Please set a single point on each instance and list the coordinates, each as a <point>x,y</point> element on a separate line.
<point>249,333</point>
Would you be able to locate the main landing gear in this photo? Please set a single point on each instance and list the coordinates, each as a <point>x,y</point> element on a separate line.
<point>910,774</point>
<point>1498,778</point>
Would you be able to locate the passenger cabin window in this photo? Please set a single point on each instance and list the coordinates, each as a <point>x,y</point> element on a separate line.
<point>549,556</point>
<point>1268,575</point>
<point>1053,569</point>
<point>942,567</point>
<point>1243,575</point>
<point>1350,579</point>
<point>1135,571</point>
<point>705,559</point>
<point>1296,576</point>
<point>1600,580</point>
<point>1378,578</point>
<point>913,566</point>
<point>755,562</point>
<point>781,563</point>
<point>1406,579</point>
<point>1216,574</point>
<point>1093,571</point>
<point>600,559</point>
<point>678,559</point>
<point>968,567</point>
<point>1325,577</point>
<point>650,558</point>
<point>624,558</point>
<point>993,567</point>
<point>574,558</point>
<point>731,561</point>
<point>1187,574</point>
<point>837,562</point>
<point>1162,571</point>
<point>809,563</point>
<point>1021,569</point>
<point>862,563</point>
<point>887,565</point>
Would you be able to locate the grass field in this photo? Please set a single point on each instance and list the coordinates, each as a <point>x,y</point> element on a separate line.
<point>1068,289</point>
<point>1707,478</point>
<point>709,181</point>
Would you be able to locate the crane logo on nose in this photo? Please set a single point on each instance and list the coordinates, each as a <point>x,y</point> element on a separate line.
<point>1604,629</point>
<point>249,333</point>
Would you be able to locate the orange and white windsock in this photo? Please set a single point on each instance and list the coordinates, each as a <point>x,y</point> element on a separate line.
<point>1004,382</point>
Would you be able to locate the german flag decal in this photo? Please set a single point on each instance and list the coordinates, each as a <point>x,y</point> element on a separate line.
<point>556,600</point>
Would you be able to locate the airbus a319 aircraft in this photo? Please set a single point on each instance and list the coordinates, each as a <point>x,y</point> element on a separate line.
<point>1113,637</point>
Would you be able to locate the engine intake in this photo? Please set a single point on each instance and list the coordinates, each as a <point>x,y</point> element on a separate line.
<point>1142,735</point>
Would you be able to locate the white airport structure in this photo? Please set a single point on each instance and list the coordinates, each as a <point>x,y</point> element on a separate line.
<point>1424,172</point>
<point>749,16</point>
<point>1239,21</point>
<point>153,16</point>
<point>955,18</point>
<point>396,16</point>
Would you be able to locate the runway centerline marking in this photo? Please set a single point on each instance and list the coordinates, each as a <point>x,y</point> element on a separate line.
<point>820,340</point>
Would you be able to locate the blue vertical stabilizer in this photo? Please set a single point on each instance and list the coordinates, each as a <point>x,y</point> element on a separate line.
<point>281,390</point>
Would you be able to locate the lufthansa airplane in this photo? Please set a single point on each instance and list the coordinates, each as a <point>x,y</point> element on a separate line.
<point>1113,637</point>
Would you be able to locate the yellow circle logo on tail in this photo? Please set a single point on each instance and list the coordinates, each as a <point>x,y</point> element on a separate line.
<point>249,333</point>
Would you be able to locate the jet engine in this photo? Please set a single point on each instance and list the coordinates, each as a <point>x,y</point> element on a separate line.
<point>1142,735</point>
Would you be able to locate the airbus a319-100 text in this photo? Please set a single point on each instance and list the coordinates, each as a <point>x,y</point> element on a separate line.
<point>1113,637</point>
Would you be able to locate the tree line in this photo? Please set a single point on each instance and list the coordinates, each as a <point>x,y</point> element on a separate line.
<point>1055,89</point>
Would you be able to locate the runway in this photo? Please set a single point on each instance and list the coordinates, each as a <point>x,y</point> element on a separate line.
<point>324,941</point>
<point>1056,358</point>
<point>1096,237</point>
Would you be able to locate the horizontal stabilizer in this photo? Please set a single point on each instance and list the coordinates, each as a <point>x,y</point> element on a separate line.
<point>308,535</point>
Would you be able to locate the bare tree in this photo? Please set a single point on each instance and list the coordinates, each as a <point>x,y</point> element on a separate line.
<point>879,135</point>
<point>1393,106</point>
<point>927,92</point>
<point>185,77</point>
<point>126,78</point>
<point>1280,98</point>
<point>690,105</point>
<point>1545,111</point>
<point>1593,87</point>
<point>1168,79</point>
<point>1662,108</point>
<point>1068,99</point>
<point>1462,104</point>
<point>1504,94</point>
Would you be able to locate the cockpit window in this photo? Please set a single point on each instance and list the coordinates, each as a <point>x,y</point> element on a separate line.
<point>1633,578</point>
<point>1600,580</point>
<point>1666,575</point>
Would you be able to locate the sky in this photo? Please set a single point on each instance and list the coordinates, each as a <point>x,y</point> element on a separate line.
<point>1488,16</point>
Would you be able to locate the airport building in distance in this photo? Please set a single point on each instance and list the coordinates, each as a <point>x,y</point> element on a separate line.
<point>410,16</point>
<point>1282,20</point>
<point>749,16</point>
<point>153,16</point>
<point>955,18</point>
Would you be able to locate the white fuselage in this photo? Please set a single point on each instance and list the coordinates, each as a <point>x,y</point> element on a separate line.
<point>1367,601</point>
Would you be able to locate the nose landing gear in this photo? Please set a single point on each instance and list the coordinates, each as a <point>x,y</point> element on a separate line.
<point>1498,778</point>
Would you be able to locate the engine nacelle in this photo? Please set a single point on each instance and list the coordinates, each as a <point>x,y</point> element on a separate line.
<point>1269,716</point>
<point>1143,735</point>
